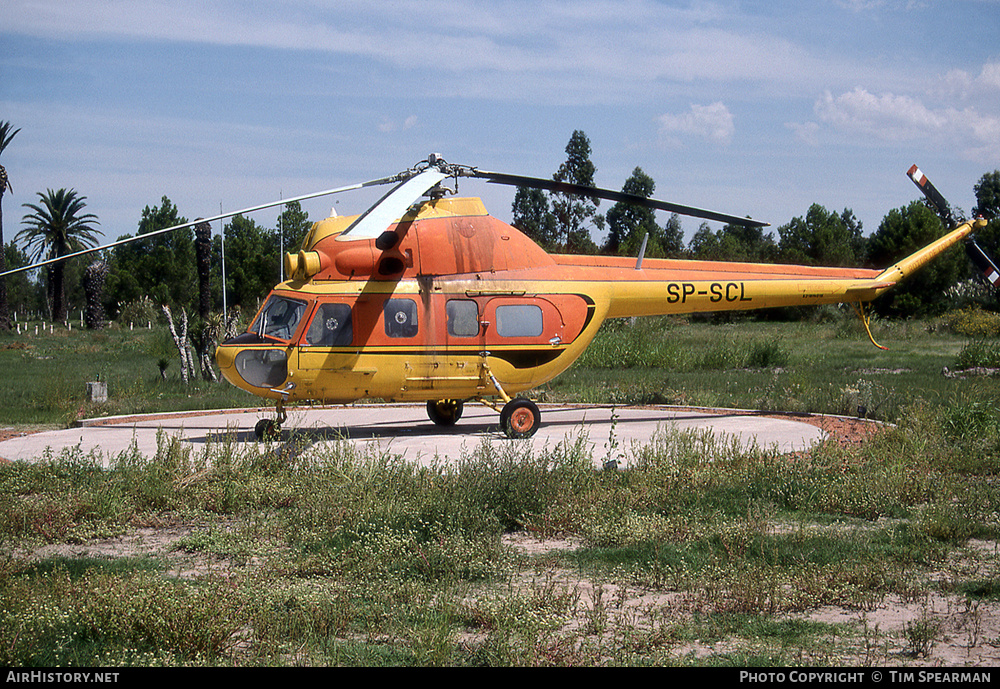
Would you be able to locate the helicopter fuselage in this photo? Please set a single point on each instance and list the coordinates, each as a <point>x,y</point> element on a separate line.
<point>468,307</point>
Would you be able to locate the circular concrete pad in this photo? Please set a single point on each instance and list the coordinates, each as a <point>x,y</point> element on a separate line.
<point>404,429</point>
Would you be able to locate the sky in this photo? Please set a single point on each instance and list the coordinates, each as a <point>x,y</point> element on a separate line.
<point>750,108</point>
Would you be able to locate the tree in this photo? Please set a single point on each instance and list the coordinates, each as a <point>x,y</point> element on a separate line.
<point>573,213</point>
<point>23,294</point>
<point>987,192</point>
<point>734,243</point>
<point>628,224</point>
<point>822,238</point>
<point>93,286</point>
<point>6,134</point>
<point>704,244</point>
<point>531,214</point>
<point>293,224</point>
<point>161,267</point>
<point>987,196</point>
<point>203,254</point>
<point>251,262</point>
<point>901,232</point>
<point>58,226</point>
<point>672,237</point>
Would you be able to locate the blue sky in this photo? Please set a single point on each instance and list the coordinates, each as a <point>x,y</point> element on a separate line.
<point>755,108</point>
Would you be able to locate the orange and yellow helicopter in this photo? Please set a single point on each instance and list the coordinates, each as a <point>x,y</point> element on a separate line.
<point>437,301</point>
<point>425,297</point>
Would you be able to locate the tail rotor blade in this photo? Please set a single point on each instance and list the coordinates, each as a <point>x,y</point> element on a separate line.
<point>932,194</point>
<point>983,262</point>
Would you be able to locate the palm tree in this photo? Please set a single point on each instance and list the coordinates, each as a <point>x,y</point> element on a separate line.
<point>6,134</point>
<point>55,228</point>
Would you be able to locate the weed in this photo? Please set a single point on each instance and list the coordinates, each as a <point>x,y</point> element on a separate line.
<point>921,635</point>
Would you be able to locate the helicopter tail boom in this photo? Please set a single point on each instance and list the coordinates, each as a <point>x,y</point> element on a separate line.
<point>917,260</point>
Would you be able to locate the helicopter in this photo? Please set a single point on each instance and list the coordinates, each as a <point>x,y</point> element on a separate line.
<point>426,297</point>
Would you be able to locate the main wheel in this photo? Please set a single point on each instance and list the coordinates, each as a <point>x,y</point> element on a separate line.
<point>267,429</point>
<point>520,418</point>
<point>445,412</point>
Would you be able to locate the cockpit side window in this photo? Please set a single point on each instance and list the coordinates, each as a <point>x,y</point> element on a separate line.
<point>400,317</point>
<point>279,318</point>
<point>331,326</point>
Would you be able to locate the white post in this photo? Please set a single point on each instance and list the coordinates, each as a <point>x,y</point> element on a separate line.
<point>222,231</point>
<point>281,243</point>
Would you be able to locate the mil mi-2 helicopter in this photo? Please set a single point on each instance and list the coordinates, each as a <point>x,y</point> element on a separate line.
<point>436,301</point>
<point>425,297</point>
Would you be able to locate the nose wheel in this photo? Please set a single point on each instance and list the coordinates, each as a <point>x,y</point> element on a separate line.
<point>520,418</point>
<point>267,429</point>
<point>270,429</point>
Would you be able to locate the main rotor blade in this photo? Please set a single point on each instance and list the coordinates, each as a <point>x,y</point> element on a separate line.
<point>327,192</point>
<point>374,221</point>
<point>609,195</point>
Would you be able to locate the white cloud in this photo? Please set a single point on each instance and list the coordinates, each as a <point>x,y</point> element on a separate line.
<point>958,83</point>
<point>389,125</point>
<point>712,122</point>
<point>515,50</point>
<point>805,131</point>
<point>990,76</point>
<point>891,117</point>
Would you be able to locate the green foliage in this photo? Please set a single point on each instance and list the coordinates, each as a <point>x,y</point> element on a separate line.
<point>252,266</point>
<point>294,225</point>
<point>650,342</point>
<point>902,232</point>
<point>573,214</point>
<point>987,191</point>
<point>562,222</point>
<point>7,133</point>
<point>531,214</point>
<point>339,556</point>
<point>733,243</point>
<point>161,268</point>
<point>822,238</point>
<point>974,322</point>
<point>56,227</point>
<point>628,224</point>
<point>22,294</point>
<point>979,354</point>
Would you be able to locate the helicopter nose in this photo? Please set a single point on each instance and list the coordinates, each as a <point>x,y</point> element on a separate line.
<point>224,356</point>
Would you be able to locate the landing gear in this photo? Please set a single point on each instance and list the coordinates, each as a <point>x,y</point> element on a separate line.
<point>270,429</point>
<point>520,418</point>
<point>267,429</point>
<point>445,412</point>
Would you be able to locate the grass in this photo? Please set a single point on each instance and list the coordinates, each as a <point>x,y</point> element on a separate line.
<point>45,376</point>
<point>696,553</point>
<point>803,367</point>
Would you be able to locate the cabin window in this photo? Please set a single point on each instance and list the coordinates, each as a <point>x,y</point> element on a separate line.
<point>400,317</point>
<point>463,318</point>
<point>519,320</point>
<point>279,318</point>
<point>331,326</point>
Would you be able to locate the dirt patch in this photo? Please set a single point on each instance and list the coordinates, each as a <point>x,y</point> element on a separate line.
<point>155,542</point>
<point>932,630</point>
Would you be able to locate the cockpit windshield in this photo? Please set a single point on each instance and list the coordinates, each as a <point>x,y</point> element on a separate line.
<point>279,318</point>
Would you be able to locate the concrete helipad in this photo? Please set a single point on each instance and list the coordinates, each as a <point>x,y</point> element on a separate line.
<point>404,429</point>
